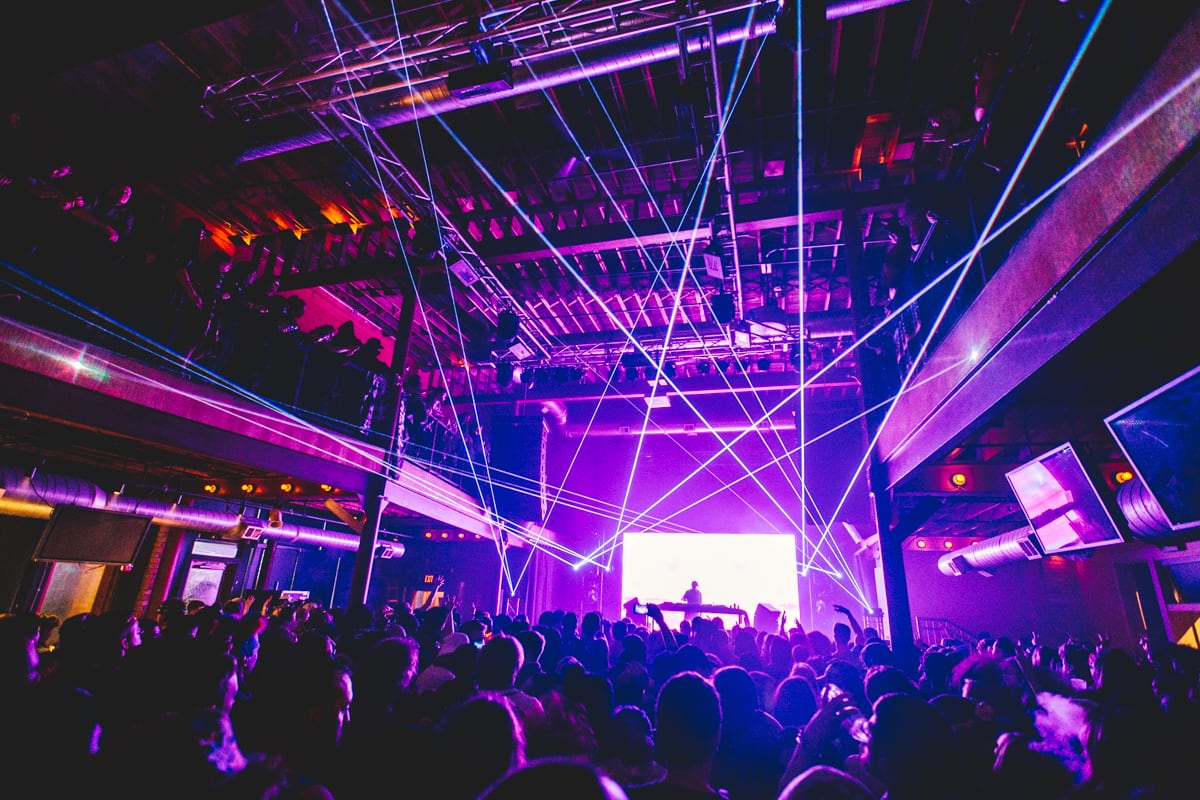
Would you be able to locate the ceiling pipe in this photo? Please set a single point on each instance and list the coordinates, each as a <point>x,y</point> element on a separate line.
<point>48,490</point>
<point>1146,517</point>
<point>569,67</point>
<point>985,556</point>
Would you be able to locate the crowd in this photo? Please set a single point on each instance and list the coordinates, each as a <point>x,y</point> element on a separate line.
<point>267,699</point>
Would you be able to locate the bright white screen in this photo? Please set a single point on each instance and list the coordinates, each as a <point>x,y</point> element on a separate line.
<point>742,569</point>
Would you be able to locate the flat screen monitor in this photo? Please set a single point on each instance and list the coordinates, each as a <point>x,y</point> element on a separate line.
<point>1062,504</point>
<point>92,536</point>
<point>1160,436</point>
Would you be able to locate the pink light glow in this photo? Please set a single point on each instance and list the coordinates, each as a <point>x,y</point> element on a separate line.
<point>742,569</point>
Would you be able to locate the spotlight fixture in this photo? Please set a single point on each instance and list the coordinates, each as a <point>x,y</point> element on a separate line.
<point>922,544</point>
<point>504,373</point>
<point>958,480</point>
<point>632,374</point>
<point>507,327</point>
<point>1123,476</point>
<point>948,544</point>
<point>325,487</point>
<point>286,487</point>
<point>428,535</point>
<point>248,487</point>
<point>722,366</point>
<point>210,488</point>
<point>704,367</point>
<point>764,365</point>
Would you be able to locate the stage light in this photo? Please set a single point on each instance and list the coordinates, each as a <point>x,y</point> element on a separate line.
<point>1123,476</point>
<point>504,373</point>
<point>274,518</point>
<point>507,327</point>
<point>445,535</point>
<point>722,366</point>
<point>428,535</point>
<point>704,367</point>
<point>325,487</point>
<point>669,369</point>
<point>286,487</point>
<point>948,544</point>
<point>462,535</point>
<point>958,479</point>
<point>632,374</point>
<point>248,487</point>
<point>922,544</point>
<point>210,488</point>
<point>764,364</point>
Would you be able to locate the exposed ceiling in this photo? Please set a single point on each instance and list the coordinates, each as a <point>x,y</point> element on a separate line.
<point>579,188</point>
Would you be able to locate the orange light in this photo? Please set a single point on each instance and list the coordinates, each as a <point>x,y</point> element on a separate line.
<point>445,535</point>
<point>428,534</point>
<point>1123,476</point>
<point>948,544</point>
<point>210,488</point>
<point>248,488</point>
<point>959,479</point>
<point>325,487</point>
<point>462,536</point>
<point>286,487</point>
<point>922,544</point>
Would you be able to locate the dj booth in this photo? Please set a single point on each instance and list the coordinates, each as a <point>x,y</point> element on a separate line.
<point>765,617</point>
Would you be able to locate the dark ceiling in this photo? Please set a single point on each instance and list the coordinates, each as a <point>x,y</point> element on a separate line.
<point>569,186</point>
<point>564,194</point>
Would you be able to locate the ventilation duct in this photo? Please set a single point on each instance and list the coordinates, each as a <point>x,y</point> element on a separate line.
<point>1009,547</point>
<point>555,412</point>
<point>45,490</point>
<point>1146,517</point>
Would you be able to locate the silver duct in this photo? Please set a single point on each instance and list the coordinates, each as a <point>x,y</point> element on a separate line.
<point>1007,548</point>
<point>555,411</point>
<point>1145,516</point>
<point>49,489</point>
<point>570,67</point>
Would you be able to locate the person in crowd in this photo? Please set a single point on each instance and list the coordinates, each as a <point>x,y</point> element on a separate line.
<point>500,659</point>
<point>476,743</point>
<point>549,777</point>
<point>795,702</point>
<point>753,750</point>
<point>687,735</point>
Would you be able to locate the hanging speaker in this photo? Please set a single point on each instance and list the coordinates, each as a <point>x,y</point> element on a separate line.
<point>766,618</point>
<point>722,308</point>
<point>507,326</point>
